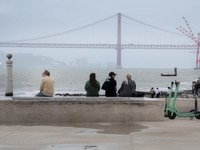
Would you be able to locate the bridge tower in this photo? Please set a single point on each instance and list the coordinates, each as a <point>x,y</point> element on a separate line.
<point>119,47</point>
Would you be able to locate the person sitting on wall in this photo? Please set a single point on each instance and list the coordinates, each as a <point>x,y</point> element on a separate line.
<point>46,85</point>
<point>128,87</point>
<point>92,86</point>
<point>110,85</point>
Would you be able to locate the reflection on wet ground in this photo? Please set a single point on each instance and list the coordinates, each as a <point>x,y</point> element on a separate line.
<point>111,127</point>
<point>72,147</point>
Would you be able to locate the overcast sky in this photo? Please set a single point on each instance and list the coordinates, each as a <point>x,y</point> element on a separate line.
<point>24,19</point>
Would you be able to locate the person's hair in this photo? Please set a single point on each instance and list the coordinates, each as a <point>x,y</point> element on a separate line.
<point>93,79</point>
<point>46,72</point>
<point>128,77</point>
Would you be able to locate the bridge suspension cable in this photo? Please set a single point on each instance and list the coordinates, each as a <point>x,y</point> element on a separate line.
<point>151,26</point>
<point>65,32</point>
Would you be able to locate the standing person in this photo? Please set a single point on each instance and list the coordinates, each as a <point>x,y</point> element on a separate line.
<point>193,88</point>
<point>110,85</point>
<point>168,90</point>
<point>157,93</point>
<point>92,86</point>
<point>46,85</point>
<point>152,92</point>
<point>197,87</point>
<point>128,87</point>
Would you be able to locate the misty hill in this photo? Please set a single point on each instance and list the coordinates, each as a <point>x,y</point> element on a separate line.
<point>29,60</point>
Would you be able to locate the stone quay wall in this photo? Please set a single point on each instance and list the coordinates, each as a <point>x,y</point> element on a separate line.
<point>63,110</point>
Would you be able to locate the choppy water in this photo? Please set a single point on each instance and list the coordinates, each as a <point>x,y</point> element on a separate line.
<point>26,80</point>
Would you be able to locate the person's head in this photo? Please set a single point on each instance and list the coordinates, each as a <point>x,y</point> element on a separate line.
<point>112,74</point>
<point>128,76</point>
<point>46,73</point>
<point>92,78</point>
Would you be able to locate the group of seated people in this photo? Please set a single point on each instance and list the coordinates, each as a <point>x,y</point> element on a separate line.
<point>92,86</point>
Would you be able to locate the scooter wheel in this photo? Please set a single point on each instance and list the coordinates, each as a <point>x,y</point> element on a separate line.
<point>171,116</point>
<point>197,115</point>
<point>193,110</point>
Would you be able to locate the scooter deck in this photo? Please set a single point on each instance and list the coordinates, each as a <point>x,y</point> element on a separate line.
<point>187,114</point>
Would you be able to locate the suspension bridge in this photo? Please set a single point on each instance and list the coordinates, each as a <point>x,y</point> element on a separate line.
<point>185,33</point>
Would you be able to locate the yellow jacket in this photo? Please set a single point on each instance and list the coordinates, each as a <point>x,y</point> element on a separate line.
<point>47,86</point>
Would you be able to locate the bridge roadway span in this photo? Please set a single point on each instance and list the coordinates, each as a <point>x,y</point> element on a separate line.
<point>105,46</point>
<point>62,110</point>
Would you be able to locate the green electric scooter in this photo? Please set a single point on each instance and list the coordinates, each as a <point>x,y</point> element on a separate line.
<point>171,111</point>
<point>167,106</point>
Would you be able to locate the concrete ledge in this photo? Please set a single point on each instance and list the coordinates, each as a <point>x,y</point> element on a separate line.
<point>63,110</point>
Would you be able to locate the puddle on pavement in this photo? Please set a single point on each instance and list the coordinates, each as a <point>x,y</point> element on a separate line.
<point>112,127</point>
<point>71,147</point>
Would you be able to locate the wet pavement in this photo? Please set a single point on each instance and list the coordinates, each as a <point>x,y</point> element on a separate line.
<point>111,127</point>
<point>178,134</point>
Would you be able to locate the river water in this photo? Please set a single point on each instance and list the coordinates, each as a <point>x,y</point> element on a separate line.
<point>26,81</point>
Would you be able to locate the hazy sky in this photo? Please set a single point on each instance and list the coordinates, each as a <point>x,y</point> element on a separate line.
<point>24,19</point>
